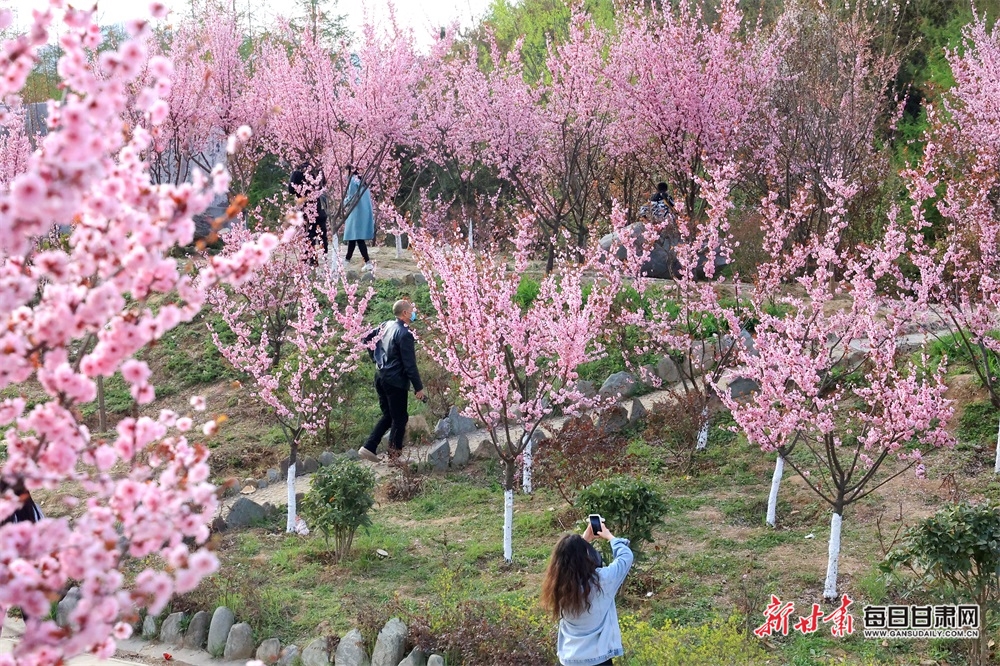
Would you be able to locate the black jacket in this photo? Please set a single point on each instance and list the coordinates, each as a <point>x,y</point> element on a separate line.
<point>400,367</point>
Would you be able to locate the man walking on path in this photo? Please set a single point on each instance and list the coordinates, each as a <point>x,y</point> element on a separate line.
<point>396,369</point>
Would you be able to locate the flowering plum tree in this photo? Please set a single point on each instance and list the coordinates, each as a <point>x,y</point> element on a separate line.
<point>81,311</point>
<point>957,255</point>
<point>514,365</point>
<point>294,339</point>
<point>838,399</point>
<point>349,108</point>
<point>692,93</point>
<point>15,146</point>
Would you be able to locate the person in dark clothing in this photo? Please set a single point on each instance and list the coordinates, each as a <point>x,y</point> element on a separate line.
<point>662,195</point>
<point>29,511</point>
<point>315,221</point>
<point>396,369</point>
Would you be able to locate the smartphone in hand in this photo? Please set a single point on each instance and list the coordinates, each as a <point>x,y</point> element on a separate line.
<point>595,523</point>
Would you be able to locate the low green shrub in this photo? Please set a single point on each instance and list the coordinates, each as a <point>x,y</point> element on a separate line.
<point>719,642</point>
<point>338,501</point>
<point>630,507</point>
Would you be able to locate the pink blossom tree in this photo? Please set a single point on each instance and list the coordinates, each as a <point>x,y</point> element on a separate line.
<point>957,255</point>
<point>354,107</point>
<point>549,140</point>
<point>690,94</point>
<point>80,311</point>
<point>514,366</point>
<point>838,399</point>
<point>15,146</point>
<point>297,334</point>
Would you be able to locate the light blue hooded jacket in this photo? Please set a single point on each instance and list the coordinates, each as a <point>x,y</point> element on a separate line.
<point>594,637</point>
<point>360,224</point>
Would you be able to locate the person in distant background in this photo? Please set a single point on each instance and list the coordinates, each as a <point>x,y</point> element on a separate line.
<point>315,221</point>
<point>28,512</point>
<point>360,224</point>
<point>662,195</point>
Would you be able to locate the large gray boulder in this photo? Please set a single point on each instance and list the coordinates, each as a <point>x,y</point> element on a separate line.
<point>462,452</point>
<point>586,387</point>
<point>435,660</point>
<point>667,370</point>
<point>443,429</point>
<point>316,654</point>
<point>197,631</point>
<point>326,458</point>
<point>613,419</point>
<point>621,384</point>
<point>273,476</point>
<point>170,631</point>
<point>149,628</point>
<point>218,631</point>
<point>269,651</point>
<point>239,643</point>
<point>637,413</point>
<point>390,644</point>
<point>460,425</point>
<point>745,338</point>
<point>309,466</point>
<point>351,650</point>
<point>67,605</point>
<point>415,658</point>
<point>743,387</point>
<point>244,513</point>
<point>289,656</point>
<point>439,455</point>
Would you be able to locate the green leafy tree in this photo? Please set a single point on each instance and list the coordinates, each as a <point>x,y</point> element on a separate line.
<point>537,22</point>
<point>957,551</point>
<point>338,502</point>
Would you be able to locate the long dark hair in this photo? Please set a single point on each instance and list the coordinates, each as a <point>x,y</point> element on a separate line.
<point>28,511</point>
<point>570,577</point>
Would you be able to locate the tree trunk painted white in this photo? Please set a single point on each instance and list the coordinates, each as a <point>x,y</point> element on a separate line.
<point>470,233</point>
<point>833,559</point>
<point>526,468</point>
<point>399,245</point>
<point>996,465</point>
<point>703,433</point>
<point>772,498</point>
<point>508,525</point>
<point>335,265</point>
<point>290,525</point>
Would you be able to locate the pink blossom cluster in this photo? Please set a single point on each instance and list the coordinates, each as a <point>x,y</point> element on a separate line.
<point>80,308</point>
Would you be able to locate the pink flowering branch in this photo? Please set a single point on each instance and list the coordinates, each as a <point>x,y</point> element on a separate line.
<point>80,311</point>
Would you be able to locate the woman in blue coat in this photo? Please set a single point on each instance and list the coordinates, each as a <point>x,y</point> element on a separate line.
<point>360,224</point>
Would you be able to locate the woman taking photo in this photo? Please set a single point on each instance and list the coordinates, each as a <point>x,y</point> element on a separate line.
<point>580,593</point>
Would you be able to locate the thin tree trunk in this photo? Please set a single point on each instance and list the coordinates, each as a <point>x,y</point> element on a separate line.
<point>399,245</point>
<point>508,525</point>
<point>103,412</point>
<point>526,470</point>
<point>833,559</point>
<point>996,465</point>
<point>508,512</point>
<point>470,232</point>
<point>290,523</point>
<point>772,498</point>
<point>335,256</point>
<point>703,433</point>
